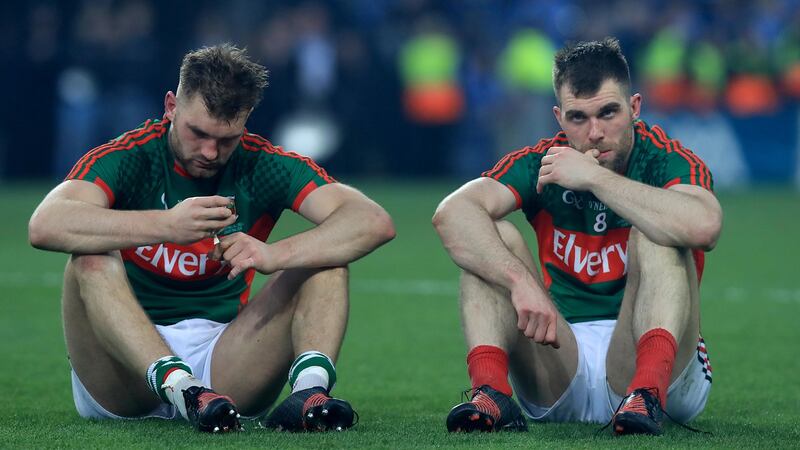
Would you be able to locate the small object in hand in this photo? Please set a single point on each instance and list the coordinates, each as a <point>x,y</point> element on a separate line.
<point>232,204</point>
<point>227,230</point>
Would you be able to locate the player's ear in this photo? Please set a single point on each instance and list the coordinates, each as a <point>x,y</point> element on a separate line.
<point>170,103</point>
<point>557,113</point>
<point>636,105</point>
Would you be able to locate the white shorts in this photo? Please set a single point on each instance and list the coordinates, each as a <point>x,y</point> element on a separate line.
<point>192,340</point>
<point>589,398</point>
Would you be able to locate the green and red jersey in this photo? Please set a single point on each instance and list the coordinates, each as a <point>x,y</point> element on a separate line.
<point>583,245</point>
<point>173,282</point>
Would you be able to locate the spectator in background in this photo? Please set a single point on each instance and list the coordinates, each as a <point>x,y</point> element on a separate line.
<point>525,69</point>
<point>740,53</point>
<point>109,86</point>
<point>273,45</point>
<point>429,62</point>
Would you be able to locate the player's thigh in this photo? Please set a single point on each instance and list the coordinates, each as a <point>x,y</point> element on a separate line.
<point>111,385</point>
<point>541,373</point>
<point>621,358</point>
<point>252,357</point>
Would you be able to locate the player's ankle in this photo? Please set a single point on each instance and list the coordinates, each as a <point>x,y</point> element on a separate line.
<point>312,369</point>
<point>168,377</point>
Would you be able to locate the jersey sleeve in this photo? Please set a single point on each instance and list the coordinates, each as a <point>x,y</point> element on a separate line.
<point>99,169</point>
<point>306,176</point>
<point>114,165</point>
<point>679,165</point>
<point>282,180</point>
<point>519,172</point>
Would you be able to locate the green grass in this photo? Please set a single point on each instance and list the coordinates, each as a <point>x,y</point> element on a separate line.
<point>402,365</point>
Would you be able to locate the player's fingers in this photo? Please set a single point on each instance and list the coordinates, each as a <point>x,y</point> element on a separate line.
<point>550,336</point>
<point>239,265</point>
<point>233,251</point>
<point>530,330</point>
<point>522,321</point>
<point>540,332</point>
<point>236,268</point>
<point>214,213</point>
<point>225,242</point>
<point>230,250</point>
<point>542,182</point>
<point>212,201</point>
<point>234,272</point>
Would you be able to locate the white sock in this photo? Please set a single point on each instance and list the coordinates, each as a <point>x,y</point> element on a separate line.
<point>311,377</point>
<point>312,369</point>
<point>177,382</point>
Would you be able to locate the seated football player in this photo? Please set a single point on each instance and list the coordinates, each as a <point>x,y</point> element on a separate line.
<point>166,226</point>
<point>610,328</point>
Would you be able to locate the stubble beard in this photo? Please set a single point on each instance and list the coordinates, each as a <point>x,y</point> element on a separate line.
<point>622,151</point>
<point>176,148</point>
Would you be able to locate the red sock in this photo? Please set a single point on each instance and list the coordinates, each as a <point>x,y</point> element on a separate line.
<point>655,356</point>
<point>487,364</point>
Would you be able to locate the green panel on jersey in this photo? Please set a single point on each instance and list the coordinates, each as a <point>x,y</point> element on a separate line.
<point>578,304</point>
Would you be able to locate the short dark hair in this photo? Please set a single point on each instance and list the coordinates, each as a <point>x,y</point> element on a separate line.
<point>584,66</point>
<point>226,79</point>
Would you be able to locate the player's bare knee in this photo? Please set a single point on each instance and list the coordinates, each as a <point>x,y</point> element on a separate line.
<point>329,279</point>
<point>511,237</point>
<point>82,264</point>
<point>336,274</point>
<point>648,252</point>
<point>87,266</point>
<point>326,284</point>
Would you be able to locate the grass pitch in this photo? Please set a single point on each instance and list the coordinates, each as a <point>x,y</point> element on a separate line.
<point>402,365</point>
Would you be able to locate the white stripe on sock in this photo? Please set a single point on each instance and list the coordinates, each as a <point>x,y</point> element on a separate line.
<point>311,377</point>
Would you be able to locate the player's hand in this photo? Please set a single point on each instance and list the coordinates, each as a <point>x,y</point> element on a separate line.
<point>568,168</point>
<point>243,252</point>
<point>198,218</point>
<point>537,316</point>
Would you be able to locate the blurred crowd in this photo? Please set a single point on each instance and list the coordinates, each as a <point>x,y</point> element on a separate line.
<point>399,87</point>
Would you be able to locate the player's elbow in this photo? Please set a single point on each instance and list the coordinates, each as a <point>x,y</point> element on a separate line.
<point>442,221</point>
<point>446,212</point>
<point>39,234</point>
<point>440,216</point>
<point>383,228</point>
<point>708,233</point>
<point>386,227</point>
<point>704,233</point>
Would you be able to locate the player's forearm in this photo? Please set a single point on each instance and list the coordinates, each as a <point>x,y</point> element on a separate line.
<point>666,217</point>
<point>471,239</point>
<point>350,232</point>
<point>72,226</point>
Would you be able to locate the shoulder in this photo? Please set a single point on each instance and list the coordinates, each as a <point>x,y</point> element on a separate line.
<point>656,140</point>
<point>533,153</point>
<point>257,147</point>
<point>140,137</point>
<point>653,135</point>
<point>138,144</point>
<point>268,154</point>
<point>660,151</point>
